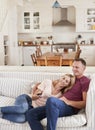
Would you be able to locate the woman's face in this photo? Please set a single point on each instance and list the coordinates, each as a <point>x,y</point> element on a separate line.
<point>64,81</point>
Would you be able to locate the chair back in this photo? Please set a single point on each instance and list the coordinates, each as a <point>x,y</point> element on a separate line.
<point>33,57</point>
<point>38,51</point>
<point>78,52</point>
<point>53,61</point>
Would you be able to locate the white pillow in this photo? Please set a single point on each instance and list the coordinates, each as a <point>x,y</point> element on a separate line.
<point>12,87</point>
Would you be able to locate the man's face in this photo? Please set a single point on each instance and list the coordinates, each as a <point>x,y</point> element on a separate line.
<point>78,69</point>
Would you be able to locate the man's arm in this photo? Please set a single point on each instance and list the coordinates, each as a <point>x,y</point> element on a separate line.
<point>76,104</point>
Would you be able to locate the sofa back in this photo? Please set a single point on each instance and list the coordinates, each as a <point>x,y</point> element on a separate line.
<point>34,76</point>
<point>19,82</point>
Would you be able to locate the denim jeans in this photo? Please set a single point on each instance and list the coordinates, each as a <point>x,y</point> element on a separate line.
<point>17,112</point>
<point>54,108</point>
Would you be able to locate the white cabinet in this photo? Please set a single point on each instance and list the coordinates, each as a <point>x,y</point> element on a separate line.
<point>31,21</point>
<point>6,54</point>
<point>27,20</point>
<point>4,51</point>
<point>90,19</point>
<point>85,19</point>
<point>34,20</point>
<point>80,19</point>
<point>1,55</point>
<point>88,53</point>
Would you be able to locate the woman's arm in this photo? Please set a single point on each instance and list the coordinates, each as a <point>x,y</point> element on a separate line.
<point>55,82</point>
<point>34,92</point>
<point>35,88</point>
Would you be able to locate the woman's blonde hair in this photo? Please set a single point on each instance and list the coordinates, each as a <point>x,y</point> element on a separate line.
<point>70,85</point>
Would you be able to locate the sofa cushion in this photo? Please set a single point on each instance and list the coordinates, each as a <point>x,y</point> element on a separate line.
<point>6,101</point>
<point>70,121</point>
<point>13,87</point>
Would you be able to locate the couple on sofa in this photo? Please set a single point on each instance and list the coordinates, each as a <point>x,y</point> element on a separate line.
<point>51,99</point>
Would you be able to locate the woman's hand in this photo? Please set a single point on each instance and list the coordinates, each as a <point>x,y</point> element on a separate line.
<point>37,94</point>
<point>35,88</point>
<point>34,97</point>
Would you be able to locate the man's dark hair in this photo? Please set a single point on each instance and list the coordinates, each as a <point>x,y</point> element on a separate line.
<point>81,60</point>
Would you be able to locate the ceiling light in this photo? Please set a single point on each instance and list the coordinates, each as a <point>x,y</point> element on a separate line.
<point>56,5</point>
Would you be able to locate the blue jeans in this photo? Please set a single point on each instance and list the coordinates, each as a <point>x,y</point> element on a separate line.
<point>17,113</point>
<point>54,108</point>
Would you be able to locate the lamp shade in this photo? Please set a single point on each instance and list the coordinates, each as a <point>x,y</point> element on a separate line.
<point>56,5</point>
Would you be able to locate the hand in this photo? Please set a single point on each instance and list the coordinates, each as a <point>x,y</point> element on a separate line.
<point>65,100</point>
<point>34,97</point>
<point>35,88</point>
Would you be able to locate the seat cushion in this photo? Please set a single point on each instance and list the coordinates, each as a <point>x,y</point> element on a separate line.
<point>6,101</point>
<point>70,121</point>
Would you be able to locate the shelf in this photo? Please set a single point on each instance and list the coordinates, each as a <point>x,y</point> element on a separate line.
<point>90,20</point>
<point>5,45</point>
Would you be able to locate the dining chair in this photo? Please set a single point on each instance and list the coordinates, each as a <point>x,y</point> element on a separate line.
<point>33,57</point>
<point>38,51</point>
<point>77,55</point>
<point>53,61</point>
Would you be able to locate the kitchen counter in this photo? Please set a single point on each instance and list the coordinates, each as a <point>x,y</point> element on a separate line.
<point>67,45</point>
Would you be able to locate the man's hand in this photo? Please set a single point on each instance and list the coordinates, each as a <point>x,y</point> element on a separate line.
<point>65,100</point>
<point>76,104</point>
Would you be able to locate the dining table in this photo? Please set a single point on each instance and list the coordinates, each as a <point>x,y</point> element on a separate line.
<point>67,58</point>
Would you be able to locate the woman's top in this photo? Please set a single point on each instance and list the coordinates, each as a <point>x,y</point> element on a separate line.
<point>46,88</point>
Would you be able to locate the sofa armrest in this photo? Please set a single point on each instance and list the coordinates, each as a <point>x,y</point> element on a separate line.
<point>90,107</point>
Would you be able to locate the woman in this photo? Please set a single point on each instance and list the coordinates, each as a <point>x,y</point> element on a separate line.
<point>38,97</point>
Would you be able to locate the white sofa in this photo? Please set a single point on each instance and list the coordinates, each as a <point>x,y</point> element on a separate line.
<point>14,83</point>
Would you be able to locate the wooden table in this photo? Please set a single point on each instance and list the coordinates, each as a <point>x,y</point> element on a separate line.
<point>67,58</point>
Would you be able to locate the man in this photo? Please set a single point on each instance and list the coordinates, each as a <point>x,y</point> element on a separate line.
<point>70,103</point>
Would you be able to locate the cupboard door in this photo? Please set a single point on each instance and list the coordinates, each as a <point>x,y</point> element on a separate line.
<point>88,53</point>
<point>80,19</point>
<point>90,20</point>
<point>34,20</point>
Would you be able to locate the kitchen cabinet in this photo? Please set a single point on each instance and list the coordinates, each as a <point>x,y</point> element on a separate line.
<point>90,19</point>
<point>34,20</point>
<point>6,54</point>
<point>31,21</point>
<point>85,19</point>
<point>27,21</point>
<point>80,19</point>
<point>4,51</point>
<point>88,53</point>
<point>1,55</point>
